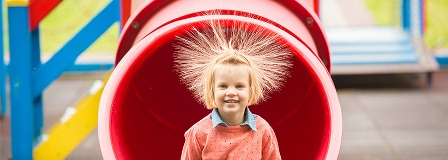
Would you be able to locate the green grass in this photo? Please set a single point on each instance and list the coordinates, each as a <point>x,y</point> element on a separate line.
<point>67,19</point>
<point>436,35</point>
<point>386,12</point>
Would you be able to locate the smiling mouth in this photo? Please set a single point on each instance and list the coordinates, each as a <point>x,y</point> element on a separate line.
<point>231,101</point>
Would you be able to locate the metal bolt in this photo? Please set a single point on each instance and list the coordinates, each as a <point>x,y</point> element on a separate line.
<point>325,62</point>
<point>309,20</point>
<point>135,25</point>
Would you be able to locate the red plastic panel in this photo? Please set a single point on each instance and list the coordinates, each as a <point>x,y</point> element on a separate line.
<point>295,17</point>
<point>145,109</point>
<point>126,8</point>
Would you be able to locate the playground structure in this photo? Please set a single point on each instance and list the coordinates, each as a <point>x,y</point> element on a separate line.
<point>36,122</point>
<point>384,49</point>
<point>28,79</point>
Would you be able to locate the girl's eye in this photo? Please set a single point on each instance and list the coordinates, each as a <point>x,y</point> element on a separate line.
<point>239,86</point>
<point>222,86</point>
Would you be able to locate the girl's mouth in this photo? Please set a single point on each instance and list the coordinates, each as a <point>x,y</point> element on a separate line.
<point>231,101</point>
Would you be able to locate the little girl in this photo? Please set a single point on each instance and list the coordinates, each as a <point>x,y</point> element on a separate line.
<point>230,69</point>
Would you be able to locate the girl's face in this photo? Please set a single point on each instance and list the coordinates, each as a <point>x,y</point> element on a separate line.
<point>231,91</point>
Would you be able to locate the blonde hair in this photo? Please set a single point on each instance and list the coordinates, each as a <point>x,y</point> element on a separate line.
<point>201,51</point>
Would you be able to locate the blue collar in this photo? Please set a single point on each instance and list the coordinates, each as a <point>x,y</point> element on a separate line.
<point>250,119</point>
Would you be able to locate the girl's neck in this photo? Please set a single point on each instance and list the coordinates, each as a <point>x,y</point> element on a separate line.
<point>232,119</point>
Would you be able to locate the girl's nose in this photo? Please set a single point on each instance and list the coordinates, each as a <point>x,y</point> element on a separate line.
<point>231,92</point>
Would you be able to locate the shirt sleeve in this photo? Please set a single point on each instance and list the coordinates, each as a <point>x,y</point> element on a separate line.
<point>191,149</point>
<point>270,146</point>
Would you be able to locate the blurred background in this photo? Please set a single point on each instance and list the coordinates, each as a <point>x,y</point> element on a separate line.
<point>390,111</point>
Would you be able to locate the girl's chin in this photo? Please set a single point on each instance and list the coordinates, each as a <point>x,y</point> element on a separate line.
<point>231,106</point>
<point>231,109</point>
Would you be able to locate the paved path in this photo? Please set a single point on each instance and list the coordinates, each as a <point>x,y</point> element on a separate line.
<point>394,117</point>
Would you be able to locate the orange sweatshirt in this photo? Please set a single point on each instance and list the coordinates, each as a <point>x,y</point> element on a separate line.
<point>202,141</point>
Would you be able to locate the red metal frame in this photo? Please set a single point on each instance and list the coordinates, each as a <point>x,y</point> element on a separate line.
<point>38,9</point>
<point>125,6</point>
<point>316,7</point>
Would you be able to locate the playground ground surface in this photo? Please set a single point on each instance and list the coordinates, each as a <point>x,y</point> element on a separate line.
<point>390,117</point>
